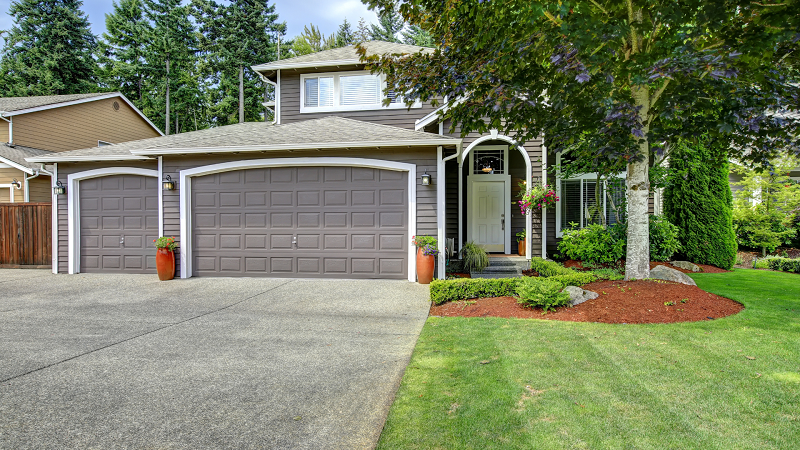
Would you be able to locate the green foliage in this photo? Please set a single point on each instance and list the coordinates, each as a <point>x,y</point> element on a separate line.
<point>547,268</point>
<point>122,49</point>
<point>545,293</point>
<point>608,274</point>
<point>416,35</point>
<point>390,24</point>
<point>166,242</point>
<point>474,257</point>
<point>575,278</point>
<point>663,239</point>
<point>762,263</point>
<point>784,264</point>
<point>593,244</point>
<point>312,40</point>
<point>698,201</point>
<point>766,205</point>
<point>423,241</point>
<point>48,51</point>
<point>443,291</point>
<point>345,35</point>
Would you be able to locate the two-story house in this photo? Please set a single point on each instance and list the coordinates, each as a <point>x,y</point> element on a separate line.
<point>337,186</point>
<point>37,126</point>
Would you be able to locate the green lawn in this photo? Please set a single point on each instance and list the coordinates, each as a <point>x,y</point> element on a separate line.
<point>483,383</point>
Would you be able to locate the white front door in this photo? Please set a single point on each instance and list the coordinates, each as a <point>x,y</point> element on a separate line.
<point>488,215</point>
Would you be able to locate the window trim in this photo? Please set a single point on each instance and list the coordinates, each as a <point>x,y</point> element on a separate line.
<point>336,94</point>
<point>592,176</point>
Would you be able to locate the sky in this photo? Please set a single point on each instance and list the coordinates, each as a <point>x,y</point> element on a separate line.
<point>326,14</point>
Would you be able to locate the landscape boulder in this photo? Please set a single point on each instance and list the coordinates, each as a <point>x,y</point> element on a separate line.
<point>686,265</point>
<point>670,274</point>
<point>578,295</point>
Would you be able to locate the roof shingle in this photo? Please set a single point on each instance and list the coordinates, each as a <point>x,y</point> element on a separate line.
<point>341,55</point>
<point>18,153</point>
<point>10,104</point>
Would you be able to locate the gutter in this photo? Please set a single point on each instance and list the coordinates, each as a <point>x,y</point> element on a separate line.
<point>298,146</point>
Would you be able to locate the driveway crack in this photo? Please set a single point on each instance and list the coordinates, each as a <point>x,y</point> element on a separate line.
<point>170,325</point>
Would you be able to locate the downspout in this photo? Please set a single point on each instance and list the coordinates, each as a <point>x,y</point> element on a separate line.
<point>25,178</point>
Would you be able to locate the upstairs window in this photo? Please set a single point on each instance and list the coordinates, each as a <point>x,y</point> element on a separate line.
<point>345,91</point>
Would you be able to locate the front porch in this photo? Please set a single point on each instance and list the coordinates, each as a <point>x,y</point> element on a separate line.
<point>478,188</point>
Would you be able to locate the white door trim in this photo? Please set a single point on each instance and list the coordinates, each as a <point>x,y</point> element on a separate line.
<point>525,156</point>
<point>74,207</point>
<point>506,180</point>
<point>186,194</point>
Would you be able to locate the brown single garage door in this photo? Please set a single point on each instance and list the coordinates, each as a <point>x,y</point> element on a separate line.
<point>119,220</point>
<point>333,222</point>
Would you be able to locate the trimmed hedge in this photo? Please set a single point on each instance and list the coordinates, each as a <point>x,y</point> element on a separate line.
<point>545,293</point>
<point>549,268</point>
<point>443,291</point>
<point>784,264</point>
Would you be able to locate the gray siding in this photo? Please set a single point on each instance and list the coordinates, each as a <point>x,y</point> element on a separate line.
<point>290,105</point>
<point>424,159</point>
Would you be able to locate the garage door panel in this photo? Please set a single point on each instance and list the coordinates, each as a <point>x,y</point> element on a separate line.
<point>306,222</point>
<point>118,222</point>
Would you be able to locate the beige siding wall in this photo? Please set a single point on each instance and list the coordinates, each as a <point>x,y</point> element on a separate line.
<point>4,130</point>
<point>81,126</point>
<point>6,177</point>
<point>40,189</point>
<point>290,106</point>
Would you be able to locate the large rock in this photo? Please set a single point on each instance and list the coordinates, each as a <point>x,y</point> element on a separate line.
<point>578,295</point>
<point>686,265</point>
<point>670,274</point>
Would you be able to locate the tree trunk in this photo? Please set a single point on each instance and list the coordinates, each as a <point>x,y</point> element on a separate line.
<point>241,94</point>
<point>637,261</point>
<point>166,118</point>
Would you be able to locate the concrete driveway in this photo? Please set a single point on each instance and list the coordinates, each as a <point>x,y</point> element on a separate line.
<point>126,361</point>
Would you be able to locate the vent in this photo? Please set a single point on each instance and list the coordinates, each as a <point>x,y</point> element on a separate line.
<point>116,106</point>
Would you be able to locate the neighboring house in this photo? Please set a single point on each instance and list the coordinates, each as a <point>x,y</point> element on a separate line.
<point>335,188</point>
<point>34,126</point>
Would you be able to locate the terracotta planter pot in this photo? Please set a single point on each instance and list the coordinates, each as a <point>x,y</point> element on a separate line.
<point>165,264</point>
<point>425,265</point>
<point>521,246</point>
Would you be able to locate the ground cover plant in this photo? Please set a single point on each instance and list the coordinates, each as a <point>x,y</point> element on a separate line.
<point>519,384</point>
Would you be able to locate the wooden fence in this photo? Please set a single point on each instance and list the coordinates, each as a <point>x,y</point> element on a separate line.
<point>25,234</point>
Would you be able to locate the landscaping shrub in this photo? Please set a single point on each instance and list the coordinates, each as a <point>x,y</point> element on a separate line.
<point>575,278</point>
<point>663,239</point>
<point>549,268</point>
<point>545,293</point>
<point>698,201</point>
<point>593,244</point>
<point>474,257</point>
<point>608,274</point>
<point>784,264</point>
<point>759,228</point>
<point>443,291</point>
<point>763,263</point>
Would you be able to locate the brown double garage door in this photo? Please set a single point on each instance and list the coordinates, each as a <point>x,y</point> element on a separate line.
<point>332,222</point>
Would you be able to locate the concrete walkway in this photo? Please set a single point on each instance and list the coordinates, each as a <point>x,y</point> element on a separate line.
<point>126,361</point>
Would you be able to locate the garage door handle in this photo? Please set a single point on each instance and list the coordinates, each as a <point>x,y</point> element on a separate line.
<point>122,240</point>
<point>294,241</point>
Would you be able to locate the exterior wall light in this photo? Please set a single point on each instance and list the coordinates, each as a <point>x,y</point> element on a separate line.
<point>168,184</point>
<point>16,184</point>
<point>59,189</point>
<point>426,179</point>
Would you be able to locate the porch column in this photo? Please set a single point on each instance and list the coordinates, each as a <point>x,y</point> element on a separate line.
<point>440,213</point>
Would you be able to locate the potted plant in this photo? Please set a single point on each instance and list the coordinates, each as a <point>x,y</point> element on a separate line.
<point>522,245</point>
<point>165,257</point>
<point>427,250</point>
<point>537,197</point>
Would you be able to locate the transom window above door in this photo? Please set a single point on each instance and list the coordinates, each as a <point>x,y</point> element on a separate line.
<point>345,91</point>
<point>489,161</point>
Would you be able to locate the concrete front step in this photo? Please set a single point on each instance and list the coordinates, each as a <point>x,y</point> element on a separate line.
<point>503,267</point>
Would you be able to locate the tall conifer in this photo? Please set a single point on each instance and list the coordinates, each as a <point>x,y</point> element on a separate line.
<point>122,50</point>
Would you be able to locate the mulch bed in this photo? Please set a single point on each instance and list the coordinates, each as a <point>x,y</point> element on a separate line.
<point>706,268</point>
<point>641,301</point>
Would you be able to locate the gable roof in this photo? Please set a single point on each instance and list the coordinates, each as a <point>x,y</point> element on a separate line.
<point>339,56</point>
<point>325,133</point>
<point>15,156</point>
<point>14,106</point>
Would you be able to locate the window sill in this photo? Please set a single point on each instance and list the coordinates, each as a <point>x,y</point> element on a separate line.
<point>312,110</point>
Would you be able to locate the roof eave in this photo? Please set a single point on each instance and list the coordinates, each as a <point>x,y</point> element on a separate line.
<point>16,165</point>
<point>56,159</point>
<point>304,65</point>
<point>302,146</point>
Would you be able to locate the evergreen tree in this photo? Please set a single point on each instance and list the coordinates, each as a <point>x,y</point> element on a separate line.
<point>390,23</point>
<point>415,35</point>
<point>236,37</point>
<point>345,35</point>
<point>363,32</point>
<point>698,201</point>
<point>312,40</point>
<point>170,61</point>
<point>122,48</point>
<point>49,50</point>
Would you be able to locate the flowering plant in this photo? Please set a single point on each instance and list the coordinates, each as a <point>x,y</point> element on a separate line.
<point>428,244</point>
<point>430,250</point>
<point>166,242</point>
<point>537,197</point>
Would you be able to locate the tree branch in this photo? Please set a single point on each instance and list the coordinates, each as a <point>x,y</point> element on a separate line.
<point>601,8</point>
<point>658,92</point>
